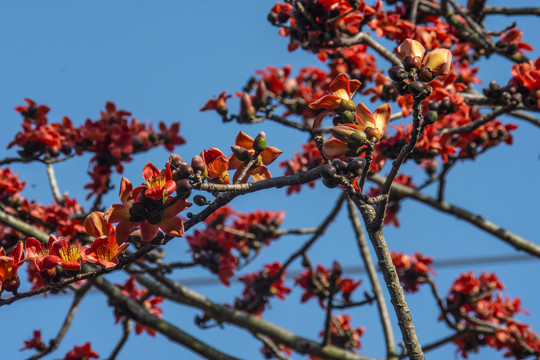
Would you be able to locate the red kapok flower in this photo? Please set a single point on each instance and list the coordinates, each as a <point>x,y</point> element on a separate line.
<point>341,89</point>
<point>104,250</point>
<point>36,342</point>
<point>218,104</point>
<point>217,165</point>
<point>41,257</point>
<point>9,280</point>
<point>266,157</point>
<point>81,352</point>
<point>68,253</point>
<point>148,206</point>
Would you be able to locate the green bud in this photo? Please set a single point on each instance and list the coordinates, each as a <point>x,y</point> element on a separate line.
<point>359,138</point>
<point>348,116</point>
<point>430,117</point>
<point>347,105</point>
<point>259,144</point>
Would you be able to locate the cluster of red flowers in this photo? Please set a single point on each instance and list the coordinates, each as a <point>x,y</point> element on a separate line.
<point>324,282</point>
<point>526,78</point>
<point>62,219</point>
<point>412,270</point>
<point>308,159</point>
<point>227,230</point>
<point>69,254</point>
<point>112,139</point>
<point>342,334</point>
<point>393,203</point>
<point>139,295</point>
<point>260,286</point>
<point>472,303</point>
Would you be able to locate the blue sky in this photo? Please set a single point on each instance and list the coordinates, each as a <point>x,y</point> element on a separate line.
<point>162,60</point>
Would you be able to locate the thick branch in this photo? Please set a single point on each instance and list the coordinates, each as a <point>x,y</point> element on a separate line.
<point>138,313</point>
<point>511,11</point>
<point>179,293</point>
<point>375,286</point>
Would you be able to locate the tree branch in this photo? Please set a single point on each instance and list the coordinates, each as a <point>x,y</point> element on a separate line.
<point>511,239</point>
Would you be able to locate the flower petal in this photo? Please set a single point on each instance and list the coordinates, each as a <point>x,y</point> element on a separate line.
<point>364,117</point>
<point>148,231</point>
<point>172,226</point>
<point>244,140</point>
<point>270,154</point>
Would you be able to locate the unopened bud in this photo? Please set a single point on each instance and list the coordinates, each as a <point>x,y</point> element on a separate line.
<point>198,165</point>
<point>412,62</point>
<point>342,132</point>
<point>401,87</point>
<point>259,144</point>
<point>358,138</point>
<point>438,61</point>
<point>416,88</point>
<point>346,104</point>
<point>328,171</point>
<point>397,73</point>
<point>356,166</point>
<point>348,117</point>
<point>430,117</point>
<point>373,134</point>
<point>410,48</point>
<point>240,153</point>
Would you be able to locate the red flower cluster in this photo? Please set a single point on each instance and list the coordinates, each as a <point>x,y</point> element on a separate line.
<point>151,304</point>
<point>227,230</point>
<point>322,282</point>
<point>412,270</point>
<point>393,203</point>
<point>472,302</point>
<point>36,342</point>
<point>150,206</point>
<point>308,159</point>
<point>526,78</point>
<point>113,139</point>
<point>260,287</point>
<point>81,352</point>
<point>342,334</point>
<point>10,185</point>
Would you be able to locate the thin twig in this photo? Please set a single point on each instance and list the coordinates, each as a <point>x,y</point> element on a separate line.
<point>126,330</point>
<point>500,10</point>
<point>54,343</point>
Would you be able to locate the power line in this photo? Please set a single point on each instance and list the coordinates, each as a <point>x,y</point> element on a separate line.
<point>445,263</point>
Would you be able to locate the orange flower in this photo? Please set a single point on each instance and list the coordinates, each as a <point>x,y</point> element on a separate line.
<point>70,254</point>
<point>217,165</point>
<point>148,206</point>
<point>341,92</point>
<point>9,280</point>
<point>374,125</point>
<point>438,61</point>
<point>218,104</point>
<point>41,257</point>
<point>104,250</point>
<point>259,171</point>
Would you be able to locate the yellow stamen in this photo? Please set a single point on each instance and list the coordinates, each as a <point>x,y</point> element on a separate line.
<point>105,252</point>
<point>70,253</point>
<point>155,181</point>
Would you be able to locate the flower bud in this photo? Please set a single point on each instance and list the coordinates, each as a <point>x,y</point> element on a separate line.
<point>247,109</point>
<point>340,165</point>
<point>410,47</point>
<point>416,88</point>
<point>199,200</point>
<point>260,94</point>
<point>330,183</point>
<point>397,73</point>
<point>342,132</point>
<point>346,104</point>
<point>356,166</point>
<point>259,144</point>
<point>412,62</point>
<point>358,138</point>
<point>348,117</point>
<point>401,87</point>
<point>328,171</point>
<point>185,171</point>
<point>373,134</point>
<point>438,61</point>
<point>198,164</point>
<point>175,160</point>
<point>240,153</point>
<point>183,188</point>
<point>430,117</point>
<point>425,75</point>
